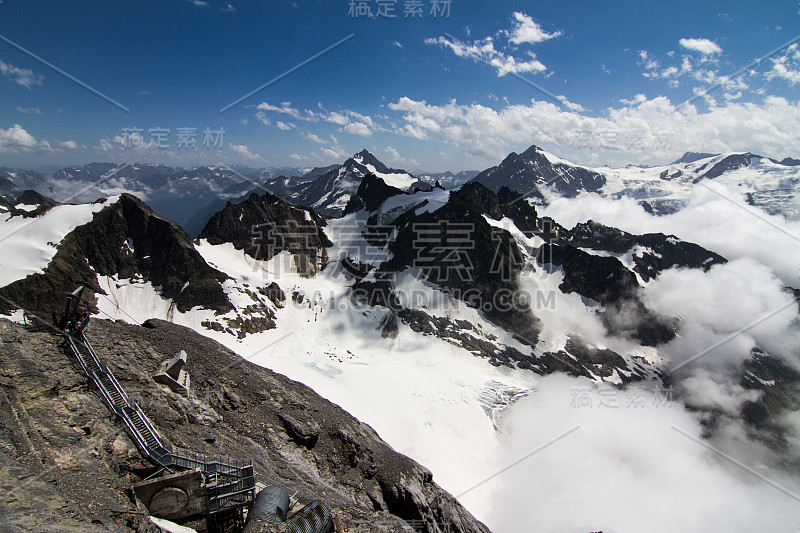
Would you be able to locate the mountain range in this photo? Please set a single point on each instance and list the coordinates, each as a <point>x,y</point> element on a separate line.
<point>425,312</point>
<point>191,196</point>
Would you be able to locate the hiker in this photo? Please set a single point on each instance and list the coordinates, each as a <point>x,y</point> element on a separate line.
<point>80,321</point>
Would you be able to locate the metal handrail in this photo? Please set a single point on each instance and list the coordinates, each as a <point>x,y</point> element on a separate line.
<point>149,425</point>
<point>106,371</point>
<point>165,454</point>
<point>75,351</point>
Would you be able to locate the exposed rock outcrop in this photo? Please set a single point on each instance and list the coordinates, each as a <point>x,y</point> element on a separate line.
<point>126,240</point>
<point>651,253</point>
<point>371,193</point>
<point>456,248</point>
<point>264,225</point>
<point>60,447</point>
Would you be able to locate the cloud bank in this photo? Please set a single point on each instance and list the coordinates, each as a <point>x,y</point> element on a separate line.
<point>629,467</point>
<point>638,459</point>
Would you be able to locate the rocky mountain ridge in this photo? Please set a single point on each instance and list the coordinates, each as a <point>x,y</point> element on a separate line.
<point>533,170</point>
<point>124,240</point>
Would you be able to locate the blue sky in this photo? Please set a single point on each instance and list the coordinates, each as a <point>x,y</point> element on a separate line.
<point>594,82</point>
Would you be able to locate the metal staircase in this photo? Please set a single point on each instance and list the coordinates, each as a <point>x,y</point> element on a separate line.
<point>229,484</point>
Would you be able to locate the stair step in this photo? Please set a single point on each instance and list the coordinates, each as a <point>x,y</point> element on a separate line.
<point>144,432</point>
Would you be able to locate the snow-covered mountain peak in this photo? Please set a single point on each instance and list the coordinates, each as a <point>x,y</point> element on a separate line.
<point>330,192</point>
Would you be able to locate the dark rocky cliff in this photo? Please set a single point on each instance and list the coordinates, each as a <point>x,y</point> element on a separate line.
<point>264,225</point>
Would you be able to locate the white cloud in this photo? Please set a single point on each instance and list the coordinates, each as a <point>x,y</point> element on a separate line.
<point>243,151</point>
<point>787,65</point>
<point>527,30</point>
<point>16,138</point>
<point>719,303</point>
<point>484,51</point>
<point>330,148</point>
<point>714,218</point>
<point>649,63</point>
<point>228,9</point>
<point>510,64</point>
<point>724,312</point>
<point>27,110</point>
<point>653,69</point>
<point>367,120</point>
<point>625,469</point>
<point>335,152</point>
<point>314,137</point>
<point>703,68</point>
<point>704,46</point>
<point>69,145</point>
<point>298,157</point>
<point>398,44</point>
<point>198,3</point>
<point>287,109</point>
<point>704,390</point>
<point>350,121</point>
<point>358,128</point>
<point>524,31</point>
<point>394,153</point>
<point>662,130</point>
<point>338,118</point>
<point>636,100</point>
<point>44,146</point>
<point>637,130</point>
<point>669,72</point>
<point>629,446</point>
<point>262,118</point>
<point>780,71</point>
<point>106,145</point>
<point>396,158</point>
<point>22,76</point>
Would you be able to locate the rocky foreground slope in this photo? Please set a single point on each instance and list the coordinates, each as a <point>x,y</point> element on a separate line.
<point>67,465</point>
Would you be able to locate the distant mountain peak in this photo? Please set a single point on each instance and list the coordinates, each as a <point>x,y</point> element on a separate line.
<point>263,225</point>
<point>528,171</point>
<point>729,162</point>
<point>329,193</point>
<point>532,151</point>
<point>365,157</point>
<point>691,157</point>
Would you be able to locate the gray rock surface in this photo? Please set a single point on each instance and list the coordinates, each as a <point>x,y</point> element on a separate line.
<point>64,460</point>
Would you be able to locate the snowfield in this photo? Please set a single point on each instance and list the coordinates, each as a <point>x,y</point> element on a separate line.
<point>29,244</point>
<point>420,393</point>
<point>771,186</point>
